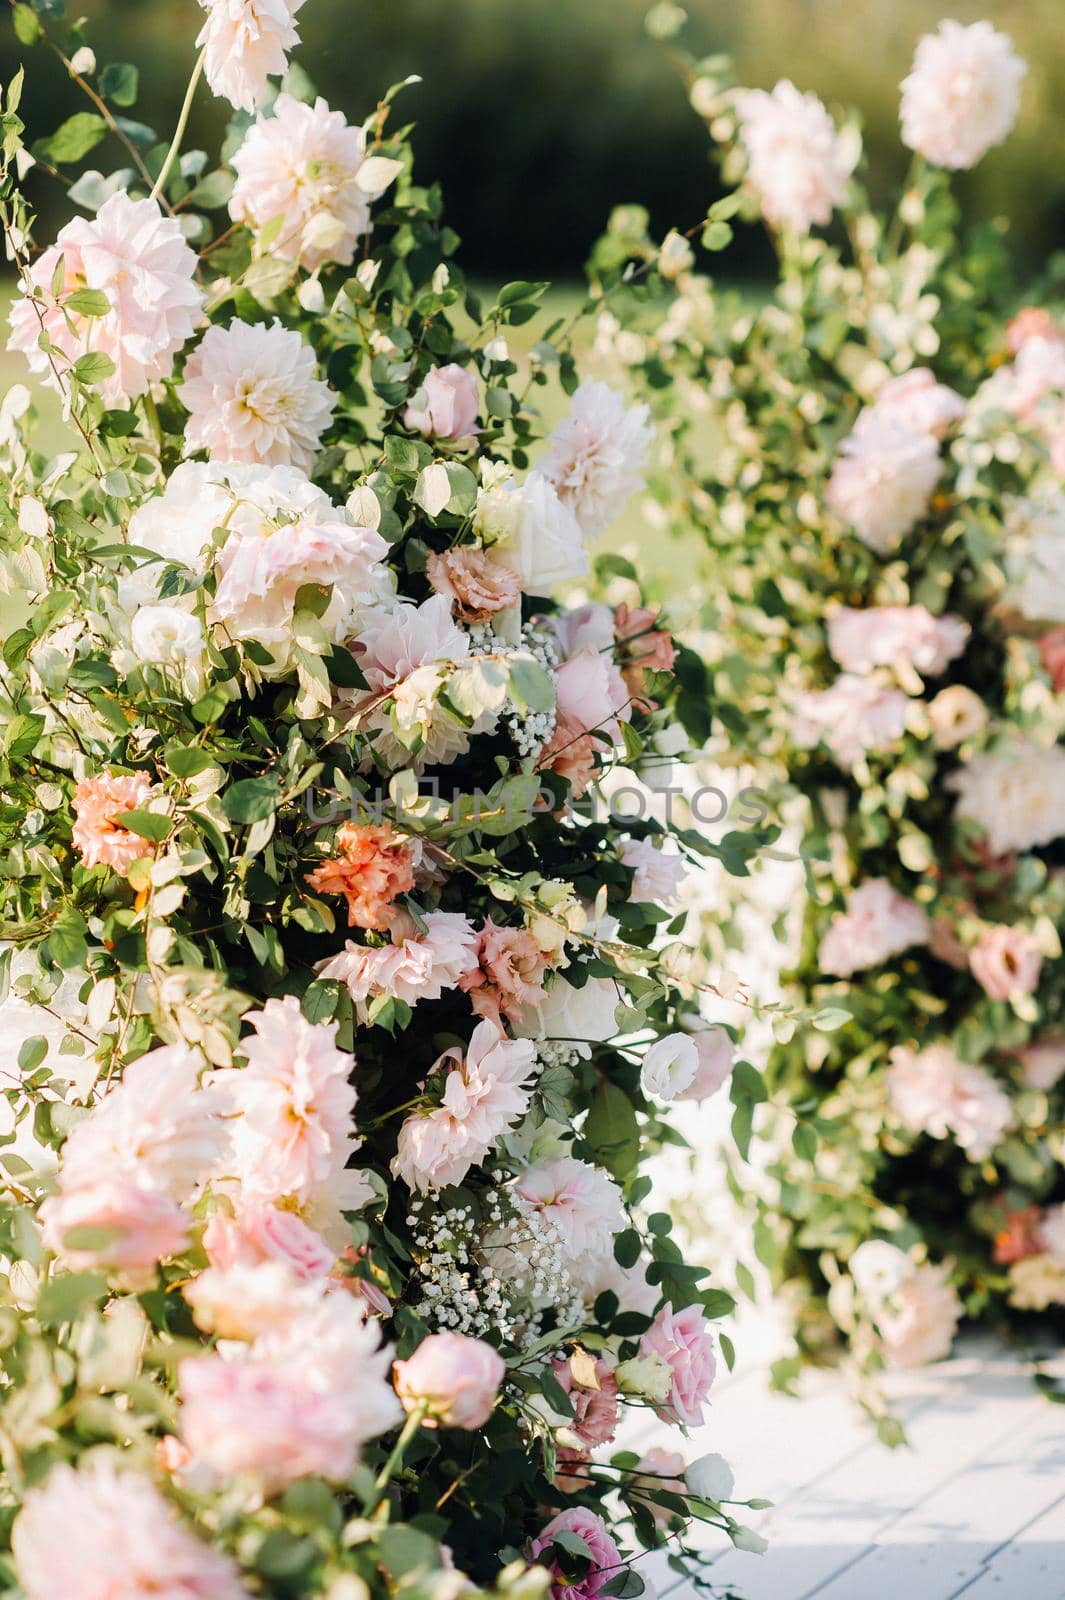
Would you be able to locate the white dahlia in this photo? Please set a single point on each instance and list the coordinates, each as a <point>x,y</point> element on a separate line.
<point>595,458</point>
<point>246,43</point>
<point>796,160</point>
<point>962,94</point>
<point>254,394</point>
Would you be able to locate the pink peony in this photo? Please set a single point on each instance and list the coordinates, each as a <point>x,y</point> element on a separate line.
<point>457,1378</point>
<point>962,94</point>
<point>372,868</point>
<point>301,165</point>
<point>883,479</point>
<point>852,718</point>
<point>682,1340</point>
<point>716,1050</point>
<point>484,1094</point>
<point>932,1091</point>
<point>918,1323</point>
<point>902,637</point>
<point>595,1406</point>
<point>261,1233</point>
<point>103,1534</point>
<point>291,1108</point>
<point>797,163</point>
<point>605,1555</point>
<point>508,975</point>
<point>1006,961</point>
<point>253,394</point>
<point>450,404</point>
<point>415,966</point>
<point>877,925</point>
<point>656,876</point>
<point>596,457</point>
<point>582,1202</point>
<point>137,1228</point>
<point>246,43</point>
<point>476,585</point>
<point>137,257</point>
<point>917,401</point>
<point>98,832</point>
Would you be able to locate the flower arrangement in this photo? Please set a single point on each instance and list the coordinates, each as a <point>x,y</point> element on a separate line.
<point>338,1034</point>
<point>873,458</point>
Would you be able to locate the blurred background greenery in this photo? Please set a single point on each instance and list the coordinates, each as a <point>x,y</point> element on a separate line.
<point>539,115</point>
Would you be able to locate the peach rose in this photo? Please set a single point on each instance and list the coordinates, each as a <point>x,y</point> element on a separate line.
<point>372,868</point>
<point>476,585</point>
<point>98,832</point>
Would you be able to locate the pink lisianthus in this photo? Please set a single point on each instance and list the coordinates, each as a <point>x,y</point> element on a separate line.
<point>140,259</point>
<point>878,924</point>
<point>508,975</point>
<point>138,1227</point>
<point>260,1233</point>
<point>1006,962</point>
<point>103,1534</point>
<point>373,866</point>
<point>901,637</point>
<point>455,1378</point>
<point>682,1341</point>
<point>415,966</point>
<point>605,1555</point>
<point>98,832</point>
<point>595,1406</point>
<point>716,1050</point>
<point>476,585</point>
<point>245,44</point>
<point>450,408</point>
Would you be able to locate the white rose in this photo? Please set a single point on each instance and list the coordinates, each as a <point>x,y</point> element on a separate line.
<point>165,635</point>
<point>529,530</point>
<point>669,1066</point>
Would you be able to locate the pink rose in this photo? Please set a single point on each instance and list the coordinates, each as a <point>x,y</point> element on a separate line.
<point>595,1419</point>
<point>265,1233</point>
<point>682,1340</point>
<point>450,409</point>
<point>605,1555</point>
<point>458,1378</point>
<point>1006,962</point>
<point>591,693</point>
<point>141,1227</point>
<point>1052,657</point>
<point>716,1051</point>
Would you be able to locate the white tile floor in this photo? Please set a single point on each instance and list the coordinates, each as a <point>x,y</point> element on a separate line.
<point>973,1508</point>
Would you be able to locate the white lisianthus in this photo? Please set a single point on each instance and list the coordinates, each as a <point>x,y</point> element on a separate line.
<point>245,44</point>
<point>962,94</point>
<point>797,162</point>
<point>254,395</point>
<point>878,1268</point>
<point>165,635</point>
<point>669,1066</point>
<point>710,1478</point>
<point>300,167</point>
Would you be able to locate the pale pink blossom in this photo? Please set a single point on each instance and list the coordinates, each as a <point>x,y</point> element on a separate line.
<point>300,166</point>
<point>932,1091</point>
<point>1031,322</point>
<point>261,1233</point>
<point>246,43</point>
<point>918,1322</point>
<point>1015,795</point>
<point>484,1093</point>
<point>901,637</point>
<point>595,458</point>
<point>254,395</point>
<point>716,1051</point>
<point>406,653</point>
<point>299,1402</point>
<point>605,1555</point>
<point>962,94</point>
<point>476,585</point>
<point>450,403</point>
<point>140,260</point>
<point>138,1227</point>
<point>1006,961</point>
<point>582,1202</point>
<point>917,401</point>
<point>956,714</point>
<point>1052,657</point>
<point>291,1108</point>
<point>854,717</point>
<point>455,1379</point>
<point>103,1534</point>
<point>98,832</point>
<point>508,975</point>
<point>414,966</point>
<point>656,876</point>
<point>595,1406</point>
<point>1052,1233</point>
<point>658,1471</point>
<point>797,163</point>
<point>246,1301</point>
<point>591,694</point>
<point>1038,371</point>
<point>879,923</point>
<point>1043,1062</point>
<point>883,479</point>
<point>682,1340</point>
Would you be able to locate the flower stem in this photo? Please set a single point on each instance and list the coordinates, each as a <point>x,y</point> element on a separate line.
<point>409,1429</point>
<point>179,133</point>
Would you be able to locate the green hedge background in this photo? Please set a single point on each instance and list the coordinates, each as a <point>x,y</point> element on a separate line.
<point>539,115</point>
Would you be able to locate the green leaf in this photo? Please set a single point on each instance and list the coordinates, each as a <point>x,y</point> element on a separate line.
<point>21,735</point>
<point>73,139</point>
<point>93,367</point>
<point>829,1018</point>
<point>185,761</point>
<point>612,1131</point>
<point>88,303</point>
<point>512,293</point>
<point>63,1297</point>
<point>148,824</point>
<point>627,1248</point>
<point>33,1052</point>
<point>119,83</point>
<point>27,27</point>
<point>251,799</point>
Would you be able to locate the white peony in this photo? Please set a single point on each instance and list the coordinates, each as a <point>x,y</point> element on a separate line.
<point>300,167</point>
<point>933,1091</point>
<point>797,163</point>
<point>246,43</point>
<point>139,259</point>
<point>527,528</point>
<point>883,479</point>
<point>1016,795</point>
<point>254,395</point>
<point>962,94</point>
<point>1035,558</point>
<point>595,458</point>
